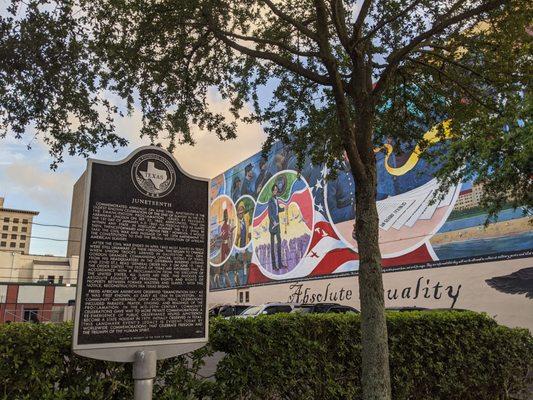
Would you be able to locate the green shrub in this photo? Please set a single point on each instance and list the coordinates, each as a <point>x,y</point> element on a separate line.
<point>36,362</point>
<point>437,355</point>
<point>433,355</point>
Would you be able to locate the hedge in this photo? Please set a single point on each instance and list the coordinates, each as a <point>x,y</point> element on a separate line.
<point>433,355</point>
<point>36,362</point>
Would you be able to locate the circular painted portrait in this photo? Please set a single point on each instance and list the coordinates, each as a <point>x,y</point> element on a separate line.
<point>245,212</point>
<point>282,224</point>
<point>222,224</point>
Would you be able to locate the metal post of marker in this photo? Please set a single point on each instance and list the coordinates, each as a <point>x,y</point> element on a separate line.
<point>144,371</point>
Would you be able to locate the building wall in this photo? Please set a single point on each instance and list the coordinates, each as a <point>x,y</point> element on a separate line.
<point>49,303</point>
<point>305,231</point>
<point>76,217</point>
<point>15,229</point>
<point>502,289</point>
<point>27,268</point>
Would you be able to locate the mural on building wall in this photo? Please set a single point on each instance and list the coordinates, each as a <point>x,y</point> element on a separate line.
<point>269,223</point>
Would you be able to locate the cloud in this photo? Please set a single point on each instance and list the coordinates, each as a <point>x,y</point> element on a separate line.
<point>209,156</point>
<point>7,157</point>
<point>45,188</point>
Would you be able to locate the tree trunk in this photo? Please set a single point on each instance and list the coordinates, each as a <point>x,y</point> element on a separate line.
<point>375,351</point>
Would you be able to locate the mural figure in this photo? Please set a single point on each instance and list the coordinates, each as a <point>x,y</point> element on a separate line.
<point>243,226</point>
<point>222,227</point>
<point>341,195</point>
<point>225,234</point>
<point>282,225</point>
<point>248,185</point>
<point>236,188</point>
<point>274,209</point>
<point>217,186</point>
<point>263,177</point>
<point>242,262</point>
<point>279,162</point>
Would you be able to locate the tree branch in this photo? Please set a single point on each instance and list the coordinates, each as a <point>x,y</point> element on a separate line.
<point>455,7</point>
<point>398,55</point>
<point>382,23</point>
<point>283,46</point>
<point>266,55</point>
<point>346,124</point>
<point>453,62</point>
<point>339,20</point>
<point>298,25</point>
<point>460,85</point>
<point>358,25</point>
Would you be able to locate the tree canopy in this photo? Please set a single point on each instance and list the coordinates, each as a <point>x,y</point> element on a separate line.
<point>415,61</point>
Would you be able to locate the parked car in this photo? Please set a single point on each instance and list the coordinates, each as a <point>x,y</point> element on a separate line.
<point>227,310</point>
<point>324,308</point>
<point>266,309</point>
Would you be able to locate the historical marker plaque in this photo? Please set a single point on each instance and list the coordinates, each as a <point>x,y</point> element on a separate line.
<point>143,263</point>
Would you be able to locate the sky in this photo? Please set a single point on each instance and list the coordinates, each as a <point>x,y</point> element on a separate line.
<point>27,182</point>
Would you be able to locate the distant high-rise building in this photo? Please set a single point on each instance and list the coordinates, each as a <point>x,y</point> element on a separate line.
<point>15,229</point>
<point>469,198</point>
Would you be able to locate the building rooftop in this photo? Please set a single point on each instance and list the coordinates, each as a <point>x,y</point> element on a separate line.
<point>13,210</point>
<point>52,262</point>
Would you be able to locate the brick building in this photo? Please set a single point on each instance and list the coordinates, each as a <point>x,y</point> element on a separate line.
<point>26,302</point>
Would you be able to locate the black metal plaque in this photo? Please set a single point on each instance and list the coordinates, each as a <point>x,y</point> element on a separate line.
<point>143,262</point>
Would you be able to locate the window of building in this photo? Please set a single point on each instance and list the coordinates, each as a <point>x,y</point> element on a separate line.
<point>14,237</point>
<point>4,235</point>
<point>15,229</point>
<point>60,280</point>
<point>24,229</point>
<point>3,244</point>
<point>241,297</point>
<point>22,237</point>
<point>247,296</point>
<point>24,221</point>
<point>12,244</point>
<point>15,220</point>
<point>31,315</point>
<point>22,245</point>
<point>6,219</point>
<point>5,227</point>
<point>51,278</point>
